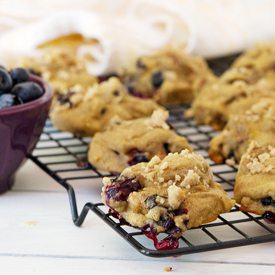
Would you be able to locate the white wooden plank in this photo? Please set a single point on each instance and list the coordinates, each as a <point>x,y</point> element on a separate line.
<point>31,177</point>
<point>33,223</point>
<point>47,265</point>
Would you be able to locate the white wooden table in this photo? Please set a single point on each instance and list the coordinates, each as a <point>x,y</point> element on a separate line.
<point>37,236</point>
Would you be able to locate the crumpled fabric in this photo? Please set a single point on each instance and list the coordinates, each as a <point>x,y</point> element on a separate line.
<point>126,29</point>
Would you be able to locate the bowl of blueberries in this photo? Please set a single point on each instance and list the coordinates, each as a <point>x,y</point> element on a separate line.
<point>25,101</point>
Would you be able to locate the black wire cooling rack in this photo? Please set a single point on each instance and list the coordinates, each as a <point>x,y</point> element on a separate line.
<point>61,154</point>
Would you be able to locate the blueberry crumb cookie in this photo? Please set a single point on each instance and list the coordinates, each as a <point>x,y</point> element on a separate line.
<point>61,68</point>
<point>261,57</point>
<point>169,76</point>
<point>256,123</point>
<point>126,143</point>
<point>85,112</point>
<point>234,92</point>
<point>166,196</point>
<point>255,182</point>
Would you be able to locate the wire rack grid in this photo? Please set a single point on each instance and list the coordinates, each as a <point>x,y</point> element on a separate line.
<point>62,156</point>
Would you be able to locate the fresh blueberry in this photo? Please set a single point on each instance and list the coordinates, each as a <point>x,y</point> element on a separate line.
<point>27,91</point>
<point>157,79</point>
<point>6,100</point>
<point>5,81</point>
<point>19,75</point>
<point>2,67</point>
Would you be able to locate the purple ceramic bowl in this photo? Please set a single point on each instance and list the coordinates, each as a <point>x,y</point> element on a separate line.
<point>20,129</point>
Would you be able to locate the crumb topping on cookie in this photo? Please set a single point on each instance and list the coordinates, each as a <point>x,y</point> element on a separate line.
<point>158,119</point>
<point>258,162</point>
<point>113,90</point>
<point>157,172</point>
<point>262,109</point>
<point>61,67</point>
<point>191,178</point>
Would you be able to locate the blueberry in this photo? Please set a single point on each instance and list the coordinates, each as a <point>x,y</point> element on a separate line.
<point>268,201</point>
<point>167,223</point>
<point>151,201</point>
<point>121,189</point>
<point>2,67</point>
<point>27,91</point>
<point>6,100</point>
<point>140,64</point>
<point>180,211</point>
<point>130,88</point>
<point>157,79</point>
<point>5,81</point>
<point>269,217</point>
<point>137,156</point>
<point>140,158</point>
<point>116,93</point>
<point>65,98</point>
<point>166,148</point>
<point>19,75</point>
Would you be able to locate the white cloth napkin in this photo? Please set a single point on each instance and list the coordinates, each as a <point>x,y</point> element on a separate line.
<point>126,29</point>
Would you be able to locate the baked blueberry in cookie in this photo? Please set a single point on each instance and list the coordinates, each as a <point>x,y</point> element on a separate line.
<point>126,143</point>
<point>255,182</point>
<point>87,111</point>
<point>169,76</point>
<point>166,196</point>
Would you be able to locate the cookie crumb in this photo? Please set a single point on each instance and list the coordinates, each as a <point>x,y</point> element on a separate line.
<point>30,223</point>
<point>230,161</point>
<point>168,268</point>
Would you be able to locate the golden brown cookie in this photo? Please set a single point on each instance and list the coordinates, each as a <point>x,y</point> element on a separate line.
<point>255,182</point>
<point>233,93</point>
<point>85,112</point>
<point>261,57</point>
<point>61,68</point>
<point>169,77</point>
<point>58,63</point>
<point>126,143</point>
<point>169,195</point>
<point>257,123</point>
